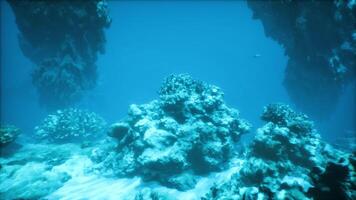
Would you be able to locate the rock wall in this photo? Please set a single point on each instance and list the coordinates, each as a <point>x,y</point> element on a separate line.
<point>319,37</point>
<point>62,38</point>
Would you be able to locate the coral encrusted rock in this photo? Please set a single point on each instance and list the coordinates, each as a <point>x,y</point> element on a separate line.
<point>62,38</point>
<point>319,38</point>
<point>288,160</point>
<point>189,131</point>
<point>8,134</point>
<point>336,179</point>
<point>71,125</point>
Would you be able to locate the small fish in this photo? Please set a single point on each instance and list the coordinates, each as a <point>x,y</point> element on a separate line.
<point>257,55</point>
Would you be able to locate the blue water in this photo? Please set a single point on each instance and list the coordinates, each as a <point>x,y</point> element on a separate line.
<point>182,153</point>
<point>216,42</point>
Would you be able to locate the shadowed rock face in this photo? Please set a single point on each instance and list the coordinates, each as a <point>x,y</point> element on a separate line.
<point>319,37</point>
<point>188,132</point>
<point>8,134</point>
<point>288,160</point>
<point>62,38</point>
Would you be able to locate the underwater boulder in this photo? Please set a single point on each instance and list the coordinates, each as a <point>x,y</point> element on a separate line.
<point>71,125</point>
<point>189,131</point>
<point>118,130</point>
<point>288,160</point>
<point>336,178</point>
<point>287,136</point>
<point>8,135</point>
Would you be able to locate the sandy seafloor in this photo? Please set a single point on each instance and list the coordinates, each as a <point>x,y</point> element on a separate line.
<point>37,172</point>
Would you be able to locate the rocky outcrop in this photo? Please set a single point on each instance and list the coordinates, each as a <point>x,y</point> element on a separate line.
<point>337,177</point>
<point>188,132</point>
<point>71,125</point>
<point>319,37</point>
<point>8,134</point>
<point>287,160</point>
<point>62,38</point>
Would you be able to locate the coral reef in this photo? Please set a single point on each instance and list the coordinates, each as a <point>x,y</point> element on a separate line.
<point>319,37</point>
<point>8,134</point>
<point>71,125</point>
<point>287,160</point>
<point>62,38</point>
<point>188,132</point>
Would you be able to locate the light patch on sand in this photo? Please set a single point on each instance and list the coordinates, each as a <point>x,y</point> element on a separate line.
<point>86,185</point>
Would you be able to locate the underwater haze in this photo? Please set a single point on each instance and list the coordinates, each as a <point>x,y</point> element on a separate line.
<point>177,100</point>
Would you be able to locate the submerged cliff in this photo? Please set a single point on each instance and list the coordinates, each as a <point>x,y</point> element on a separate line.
<point>62,39</point>
<point>319,37</point>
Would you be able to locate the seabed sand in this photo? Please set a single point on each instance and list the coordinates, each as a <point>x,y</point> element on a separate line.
<point>90,186</point>
<point>37,173</point>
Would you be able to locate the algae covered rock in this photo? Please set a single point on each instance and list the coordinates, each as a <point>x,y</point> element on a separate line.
<point>71,125</point>
<point>8,134</point>
<point>62,38</point>
<point>189,131</point>
<point>336,179</point>
<point>288,136</point>
<point>288,160</point>
<point>319,39</point>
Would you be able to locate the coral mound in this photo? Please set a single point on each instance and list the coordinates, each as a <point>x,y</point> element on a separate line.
<point>189,131</point>
<point>288,136</point>
<point>71,125</point>
<point>287,160</point>
<point>8,134</point>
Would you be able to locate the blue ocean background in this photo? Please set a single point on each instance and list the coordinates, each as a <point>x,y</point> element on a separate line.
<point>216,42</point>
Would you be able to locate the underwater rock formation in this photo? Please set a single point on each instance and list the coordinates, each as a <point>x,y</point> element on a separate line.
<point>189,131</point>
<point>287,160</point>
<point>337,180</point>
<point>8,134</point>
<point>71,125</point>
<point>319,37</point>
<point>62,38</point>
